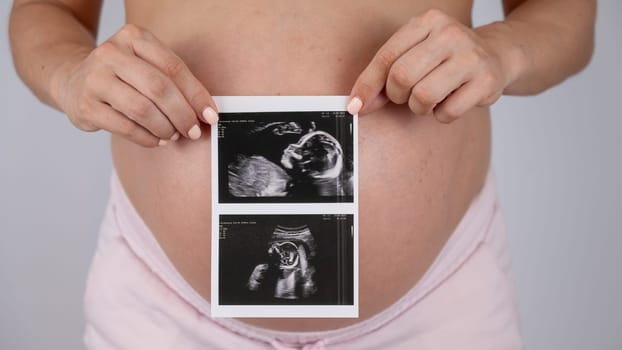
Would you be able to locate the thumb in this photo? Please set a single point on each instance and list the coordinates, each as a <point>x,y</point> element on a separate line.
<point>367,88</point>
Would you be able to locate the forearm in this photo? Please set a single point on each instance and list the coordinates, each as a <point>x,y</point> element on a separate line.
<point>543,42</point>
<point>47,39</point>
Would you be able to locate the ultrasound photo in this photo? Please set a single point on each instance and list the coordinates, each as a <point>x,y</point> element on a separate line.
<point>286,259</point>
<point>280,157</point>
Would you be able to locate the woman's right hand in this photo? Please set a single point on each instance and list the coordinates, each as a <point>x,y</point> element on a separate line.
<point>132,85</point>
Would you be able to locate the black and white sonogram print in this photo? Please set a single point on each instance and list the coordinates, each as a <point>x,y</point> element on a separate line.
<point>277,157</point>
<point>286,259</point>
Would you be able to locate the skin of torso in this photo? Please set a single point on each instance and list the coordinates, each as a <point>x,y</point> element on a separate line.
<point>417,176</point>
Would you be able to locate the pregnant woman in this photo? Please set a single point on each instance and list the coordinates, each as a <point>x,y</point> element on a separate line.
<point>433,269</point>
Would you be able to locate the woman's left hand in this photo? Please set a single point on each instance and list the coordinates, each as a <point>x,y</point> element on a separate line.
<point>437,65</point>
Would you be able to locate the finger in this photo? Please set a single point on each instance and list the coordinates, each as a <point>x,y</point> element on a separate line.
<point>160,89</point>
<point>377,103</point>
<point>437,85</point>
<point>153,51</point>
<point>413,66</point>
<point>459,102</point>
<point>135,106</point>
<point>417,107</point>
<point>115,122</point>
<point>373,78</point>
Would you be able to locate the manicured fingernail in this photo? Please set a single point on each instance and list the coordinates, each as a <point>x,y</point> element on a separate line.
<point>194,132</point>
<point>175,137</point>
<point>354,106</point>
<point>210,116</point>
<point>162,143</point>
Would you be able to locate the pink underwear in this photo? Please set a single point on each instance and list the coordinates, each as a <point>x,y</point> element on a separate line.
<point>135,299</point>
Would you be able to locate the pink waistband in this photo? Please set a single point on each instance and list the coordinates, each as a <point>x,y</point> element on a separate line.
<point>469,233</point>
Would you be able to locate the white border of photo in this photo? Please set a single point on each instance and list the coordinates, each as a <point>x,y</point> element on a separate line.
<point>249,104</point>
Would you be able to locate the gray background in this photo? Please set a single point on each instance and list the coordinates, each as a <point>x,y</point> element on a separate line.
<point>557,158</point>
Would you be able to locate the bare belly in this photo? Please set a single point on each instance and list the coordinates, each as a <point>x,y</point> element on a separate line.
<point>417,176</point>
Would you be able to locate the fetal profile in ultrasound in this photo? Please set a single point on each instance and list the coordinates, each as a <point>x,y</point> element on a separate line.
<point>285,157</point>
<point>286,259</point>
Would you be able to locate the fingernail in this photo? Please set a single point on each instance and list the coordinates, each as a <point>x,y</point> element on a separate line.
<point>354,106</point>
<point>210,116</point>
<point>175,137</point>
<point>162,142</point>
<point>194,132</point>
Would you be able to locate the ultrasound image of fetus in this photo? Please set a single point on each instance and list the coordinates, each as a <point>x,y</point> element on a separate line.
<point>288,159</point>
<point>288,272</point>
<point>317,154</point>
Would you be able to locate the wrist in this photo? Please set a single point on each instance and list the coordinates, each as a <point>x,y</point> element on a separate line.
<point>501,41</point>
<point>59,77</point>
